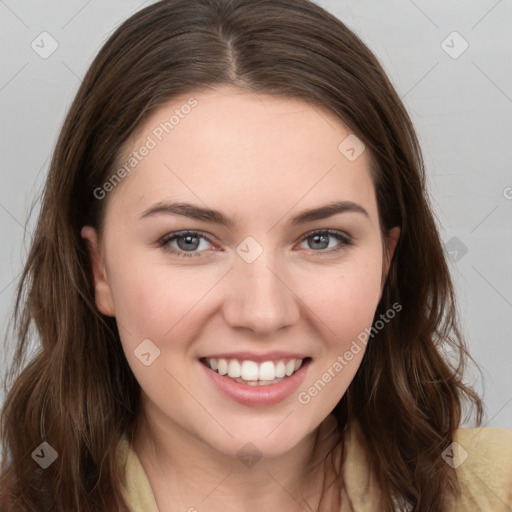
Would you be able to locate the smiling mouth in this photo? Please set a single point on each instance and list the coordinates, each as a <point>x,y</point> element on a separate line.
<point>252,373</point>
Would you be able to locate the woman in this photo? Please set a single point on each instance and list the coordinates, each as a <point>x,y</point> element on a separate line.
<point>240,290</point>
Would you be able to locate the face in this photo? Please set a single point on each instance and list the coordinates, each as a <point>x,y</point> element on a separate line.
<point>270,283</point>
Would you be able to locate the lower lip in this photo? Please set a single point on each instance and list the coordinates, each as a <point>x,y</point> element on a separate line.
<point>257,395</point>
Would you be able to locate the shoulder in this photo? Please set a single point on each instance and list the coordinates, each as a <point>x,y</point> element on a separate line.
<point>482,458</point>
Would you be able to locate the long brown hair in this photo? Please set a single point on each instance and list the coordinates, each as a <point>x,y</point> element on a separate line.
<point>78,392</point>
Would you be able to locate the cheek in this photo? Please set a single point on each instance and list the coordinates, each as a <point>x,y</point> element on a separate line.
<point>345,306</point>
<point>151,307</point>
<point>156,301</point>
<point>135,296</point>
<point>347,299</point>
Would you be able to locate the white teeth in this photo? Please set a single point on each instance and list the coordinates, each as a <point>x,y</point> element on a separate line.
<point>290,367</point>
<point>249,370</point>
<point>234,368</point>
<point>223,367</point>
<point>252,373</point>
<point>267,371</point>
<point>280,370</point>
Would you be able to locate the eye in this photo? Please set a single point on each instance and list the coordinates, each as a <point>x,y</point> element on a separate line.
<point>320,240</point>
<point>187,241</point>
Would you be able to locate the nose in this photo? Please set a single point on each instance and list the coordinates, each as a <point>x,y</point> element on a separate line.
<point>259,298</point>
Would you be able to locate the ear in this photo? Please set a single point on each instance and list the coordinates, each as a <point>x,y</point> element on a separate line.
<point>389,247</point>
<point>102,290</point>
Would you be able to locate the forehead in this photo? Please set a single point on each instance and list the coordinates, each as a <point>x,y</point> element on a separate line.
<point>228,145</point>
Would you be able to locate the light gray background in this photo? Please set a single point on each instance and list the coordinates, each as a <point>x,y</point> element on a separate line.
<point>461,107</point>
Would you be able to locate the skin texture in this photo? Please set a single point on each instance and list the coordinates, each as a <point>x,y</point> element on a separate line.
<point>260,160</point>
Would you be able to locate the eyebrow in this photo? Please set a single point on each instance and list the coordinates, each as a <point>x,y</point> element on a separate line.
<point>215,217</point>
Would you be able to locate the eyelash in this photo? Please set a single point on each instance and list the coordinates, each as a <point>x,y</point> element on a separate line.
<point>164,241</point>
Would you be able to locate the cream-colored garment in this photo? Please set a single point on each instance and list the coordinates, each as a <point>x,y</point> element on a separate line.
<point>485,474</point>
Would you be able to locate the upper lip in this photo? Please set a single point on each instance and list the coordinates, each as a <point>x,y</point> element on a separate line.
<point>257,357</point>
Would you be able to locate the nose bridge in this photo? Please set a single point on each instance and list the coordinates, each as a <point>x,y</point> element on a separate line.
<point>259,298</point>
